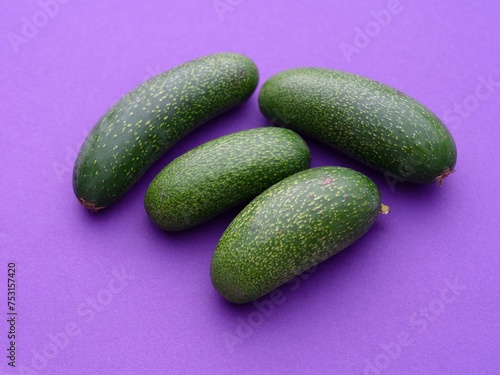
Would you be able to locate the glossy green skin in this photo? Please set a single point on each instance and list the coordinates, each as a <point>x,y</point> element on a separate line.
<point>291,227</point>
<point>364,119</point>
<point>146,122</point>
<point>222,174</point>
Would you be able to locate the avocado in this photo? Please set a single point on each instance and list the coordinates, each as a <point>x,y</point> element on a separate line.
<point>367,120</point>
<point>223,173</point>
<point>291,227</point>
<point>150,119</point>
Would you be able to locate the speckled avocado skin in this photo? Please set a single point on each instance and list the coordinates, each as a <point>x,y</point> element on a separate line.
<point>365,119</point>
<point>147,121</point>
<point>223,173</point>
<point>289,228</point>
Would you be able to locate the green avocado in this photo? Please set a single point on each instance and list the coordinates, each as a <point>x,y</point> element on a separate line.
<point>369,121</point>
<point>221,174</point>
<point>291,227</point>
<point>146,122</point>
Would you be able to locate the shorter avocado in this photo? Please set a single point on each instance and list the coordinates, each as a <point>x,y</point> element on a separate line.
<point>221,174</point>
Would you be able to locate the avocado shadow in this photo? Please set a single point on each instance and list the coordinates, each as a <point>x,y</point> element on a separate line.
<point>208,232</point>
<point>391,189</point>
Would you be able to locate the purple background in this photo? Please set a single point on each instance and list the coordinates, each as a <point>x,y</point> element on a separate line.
<point>169,319</point>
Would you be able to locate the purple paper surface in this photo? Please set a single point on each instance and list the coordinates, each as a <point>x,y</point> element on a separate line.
<point>111,294</point>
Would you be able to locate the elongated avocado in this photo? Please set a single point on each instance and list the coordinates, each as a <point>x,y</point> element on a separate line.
<point>291,227</point>
<point>365,119</point>
<point>221,174</point>
<point>147,121</point>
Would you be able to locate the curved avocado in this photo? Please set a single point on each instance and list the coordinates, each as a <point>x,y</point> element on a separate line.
<point>291,227</point>
<point>150,119</point>
<point>364,119</point>
<point>221,174</point>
